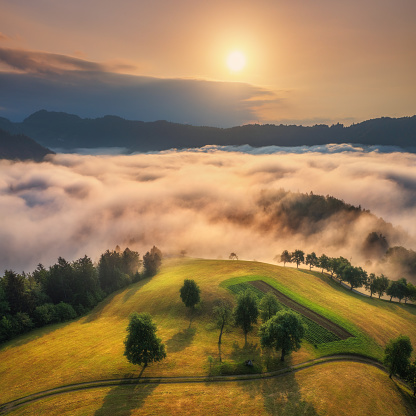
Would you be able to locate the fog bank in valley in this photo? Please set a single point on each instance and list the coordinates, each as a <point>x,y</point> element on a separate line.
<point>207,203</point>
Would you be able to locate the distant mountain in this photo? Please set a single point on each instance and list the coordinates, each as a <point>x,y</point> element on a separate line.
<point>19,147</point>
<point>67,131</point>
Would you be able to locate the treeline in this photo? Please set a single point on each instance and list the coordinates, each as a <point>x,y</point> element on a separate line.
<point>355,276</point>
<point>67,289</point>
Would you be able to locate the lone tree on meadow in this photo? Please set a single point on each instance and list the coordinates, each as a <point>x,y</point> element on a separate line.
<point>142,345</point>
<point>246,312</point>
<point>269,306</point>
<point>190,293</point>
<point>397,355</point>
<point>233,256</point>
<point>284,331</point>
<point>298,256</point>
<point>223,316</point>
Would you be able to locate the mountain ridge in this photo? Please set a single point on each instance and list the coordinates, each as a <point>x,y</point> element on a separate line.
<point>60,130</point>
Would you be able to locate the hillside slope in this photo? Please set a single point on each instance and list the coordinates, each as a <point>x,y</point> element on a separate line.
<point>20,147</point>
<point>91,348</point>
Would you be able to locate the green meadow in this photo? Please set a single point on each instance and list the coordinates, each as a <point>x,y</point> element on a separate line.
<point>91,348</point>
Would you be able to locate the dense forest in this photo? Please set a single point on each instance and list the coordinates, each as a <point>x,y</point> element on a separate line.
<point>67,289</point>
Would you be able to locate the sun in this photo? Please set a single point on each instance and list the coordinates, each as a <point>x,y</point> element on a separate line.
<point>236,61</point>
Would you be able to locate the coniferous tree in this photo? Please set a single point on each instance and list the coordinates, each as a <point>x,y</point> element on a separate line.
<point>152,261</point>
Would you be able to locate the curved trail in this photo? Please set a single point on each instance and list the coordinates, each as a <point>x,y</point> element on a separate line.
<point>13,405</point>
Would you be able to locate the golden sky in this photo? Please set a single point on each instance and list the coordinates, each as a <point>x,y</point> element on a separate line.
<point>307,61</point>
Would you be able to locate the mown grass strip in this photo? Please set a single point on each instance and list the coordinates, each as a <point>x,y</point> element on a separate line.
<point>360,342</point>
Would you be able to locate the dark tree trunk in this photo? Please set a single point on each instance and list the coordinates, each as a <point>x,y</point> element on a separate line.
<point>282,358</point>
<point>219,339</point>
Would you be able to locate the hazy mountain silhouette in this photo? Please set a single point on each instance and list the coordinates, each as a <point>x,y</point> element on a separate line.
<point>19,147</point>
<point>67,131</point>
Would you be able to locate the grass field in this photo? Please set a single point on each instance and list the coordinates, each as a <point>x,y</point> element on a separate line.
<point>344,389</point>
<point>91,348</point>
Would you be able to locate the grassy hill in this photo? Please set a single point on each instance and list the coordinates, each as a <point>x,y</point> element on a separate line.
<point>91,348</point>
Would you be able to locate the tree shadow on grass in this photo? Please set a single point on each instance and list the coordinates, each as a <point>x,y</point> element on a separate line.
<point>36,333</point>
<point>134,287</point>
<point>249,351</point>
<point>180,340</point>
<point>282,396</point>
<point>408,399</point>
<point>123,399</point>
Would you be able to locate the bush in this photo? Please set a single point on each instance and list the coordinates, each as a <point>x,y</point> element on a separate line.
<point>64,312</point>
<point>6,328</point>
<point>45,314</point>
<point>23,322</point>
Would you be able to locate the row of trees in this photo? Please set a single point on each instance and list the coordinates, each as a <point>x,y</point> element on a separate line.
<point>67,289</point>
<point>354,276</point>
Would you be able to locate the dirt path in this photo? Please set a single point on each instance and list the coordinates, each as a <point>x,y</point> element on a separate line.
<point>13,405</point>
<point>303,310</point>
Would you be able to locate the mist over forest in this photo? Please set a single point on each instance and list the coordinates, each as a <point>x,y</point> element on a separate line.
<point>209,204</point>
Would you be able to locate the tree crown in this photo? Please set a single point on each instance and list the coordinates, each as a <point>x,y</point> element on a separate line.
<point>190,293</point>
<point>142,345</point>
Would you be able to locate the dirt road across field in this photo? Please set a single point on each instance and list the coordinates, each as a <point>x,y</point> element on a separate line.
<point>319,319</point>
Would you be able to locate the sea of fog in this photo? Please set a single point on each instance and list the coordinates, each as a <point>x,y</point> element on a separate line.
<point>204,201</point>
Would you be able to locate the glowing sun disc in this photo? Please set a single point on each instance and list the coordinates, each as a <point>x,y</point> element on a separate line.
<point>236,61</point>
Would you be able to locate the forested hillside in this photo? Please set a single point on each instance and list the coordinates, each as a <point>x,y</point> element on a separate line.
<point>20,147</point>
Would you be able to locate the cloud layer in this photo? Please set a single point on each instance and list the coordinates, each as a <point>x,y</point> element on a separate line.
<point>209,204</point>
<point>38,80</point>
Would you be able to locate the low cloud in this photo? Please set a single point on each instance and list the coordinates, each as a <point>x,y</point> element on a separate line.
<point>209,204</point>
<point>50,63</point>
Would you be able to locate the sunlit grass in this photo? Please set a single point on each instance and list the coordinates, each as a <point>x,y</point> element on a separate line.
<point>91,348</point>
<point>333,389</point>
